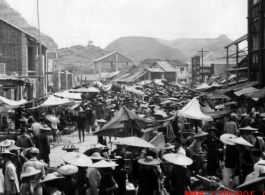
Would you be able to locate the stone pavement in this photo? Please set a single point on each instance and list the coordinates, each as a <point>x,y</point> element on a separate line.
<point>57,152</point>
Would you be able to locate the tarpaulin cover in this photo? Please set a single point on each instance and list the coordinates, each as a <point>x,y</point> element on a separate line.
<point>116,125</point>
<point>193,111</point>
<point>219,114</point>
<point>215,95</point>
<point>258,94</point>
<point>133,90</point>
<point>54,101</point>
<point>158,141</point>
<point>245,91</point>
<point>206,108</point>
<point>85,90</point>
<point>213,87</point>
<point>7,104</point>
<point>67,94</point>
<point>202,87</point>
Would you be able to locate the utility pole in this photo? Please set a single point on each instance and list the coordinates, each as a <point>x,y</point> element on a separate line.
<point>202,62</point>
<point>40,53</point>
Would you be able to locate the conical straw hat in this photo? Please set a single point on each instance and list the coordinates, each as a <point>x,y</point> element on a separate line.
<point>178,159</point>
<point>30,171</point>
<point>200,133</point>
<point>103,164</point>
<point>225,138</point>
<point>248,128</point>
<point>77,159</point>
<point>240,141</point>
<point>68,170</point>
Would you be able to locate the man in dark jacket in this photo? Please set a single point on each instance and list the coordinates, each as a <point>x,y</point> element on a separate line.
<point>211,145</point>
<point>81,125</point>
<point>42,143</point>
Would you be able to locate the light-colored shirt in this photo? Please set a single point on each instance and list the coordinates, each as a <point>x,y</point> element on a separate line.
<point>11,177</point>
<point>36,128</point>
<point>231,128</point>
<point>258,169</point>
<point>195,147</point>
<point>94,180</point>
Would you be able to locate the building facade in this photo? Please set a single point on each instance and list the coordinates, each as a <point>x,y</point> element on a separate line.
<point>256,41</point>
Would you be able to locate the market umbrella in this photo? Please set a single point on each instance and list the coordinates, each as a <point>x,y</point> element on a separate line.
<point>213,87</point>
<point>85,90</point>
<point>52,118</point>
<point>67,94</point>
<point>133,141</point>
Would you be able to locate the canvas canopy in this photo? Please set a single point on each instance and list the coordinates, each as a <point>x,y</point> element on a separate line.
<point>215,95</point>
<point>67,94</point>
<point>202,87</point>
<point>85,90</point>
<point>246,91</point>
<point>219,114</point>
<point>115,127</point>
<point>213,87</point>
<point>257,94</point>
<point>7,104</point>
<point>54,101</point>
<point>135,91</point>
<point>193,111</point>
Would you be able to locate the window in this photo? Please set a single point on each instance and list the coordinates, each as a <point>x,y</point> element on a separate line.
<point>181,70</point>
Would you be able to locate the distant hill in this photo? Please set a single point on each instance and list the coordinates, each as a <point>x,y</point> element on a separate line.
<point>79,58</point>
<point>190,47</point>
<point>140,48</point>
<point>14,17</point>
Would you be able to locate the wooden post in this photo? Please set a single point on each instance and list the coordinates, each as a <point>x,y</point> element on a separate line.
<point>236,63</point>
<point>227,61</point>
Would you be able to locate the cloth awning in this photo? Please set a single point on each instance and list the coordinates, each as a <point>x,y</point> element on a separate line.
<point>54,101</point>
<point>213,87</point>
<point>133,90</point>
<point>239,86</point>
<point>193,111</point>
<point>206,108</point>
<point>246,91</point>
<point>215,95</point>
<point>257,94</point>
<point>115,127</point>
<point>219,114</point>
<point>202,87</point>
<point>67,94</point>
<point>7,104</point>
<point>85,90</point>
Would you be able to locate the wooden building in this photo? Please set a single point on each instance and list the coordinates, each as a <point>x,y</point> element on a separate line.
<point>19,63</point>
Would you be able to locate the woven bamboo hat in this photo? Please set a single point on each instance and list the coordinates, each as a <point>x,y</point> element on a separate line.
<point>68,170</point>
<point>30,171</point>
<point>200,133</point>
<point>149,160</point>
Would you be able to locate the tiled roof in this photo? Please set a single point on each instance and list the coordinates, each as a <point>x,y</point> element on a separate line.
<point>176,63</point>
<point>166,66</point>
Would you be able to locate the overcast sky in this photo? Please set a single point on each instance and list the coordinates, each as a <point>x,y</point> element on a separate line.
<point>75,22</point>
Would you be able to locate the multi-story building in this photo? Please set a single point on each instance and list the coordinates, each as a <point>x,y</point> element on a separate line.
<point>256,43</point>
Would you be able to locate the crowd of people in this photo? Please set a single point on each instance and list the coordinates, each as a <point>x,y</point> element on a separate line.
<point>230,148</point>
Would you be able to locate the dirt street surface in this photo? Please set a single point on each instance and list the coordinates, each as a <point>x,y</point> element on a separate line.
<point>56,148</point>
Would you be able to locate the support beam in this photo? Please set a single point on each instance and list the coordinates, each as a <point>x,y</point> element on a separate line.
<point>117,62</point>
<point>227,61</point>
<point>236,64</point>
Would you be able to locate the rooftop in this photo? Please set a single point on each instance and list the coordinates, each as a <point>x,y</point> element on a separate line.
<point>155,69</point>
<point>167,67</point>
